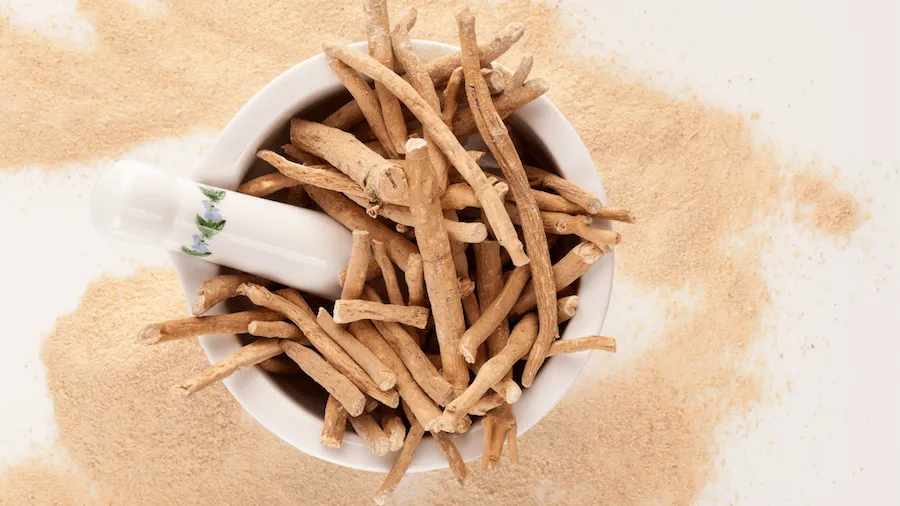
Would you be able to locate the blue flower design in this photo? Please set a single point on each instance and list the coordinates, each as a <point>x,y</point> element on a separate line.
<point>212,213</point>
<point>210,224</point>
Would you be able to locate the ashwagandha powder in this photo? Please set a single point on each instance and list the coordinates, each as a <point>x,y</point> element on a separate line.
<point>702,187</point>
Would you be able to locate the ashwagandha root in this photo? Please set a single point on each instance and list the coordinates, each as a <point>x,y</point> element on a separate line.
<point>393,426</point>
<point>487,402</point>
<point>295,308</point>
<point>218,288</point>
<point>368,103</point>
<point>415,360</point>
<point>388,273</point>
<point>495,135</point>
<point>458,231</point>
<point>415,281</point>
<point>380,373</point>
<point>566,307</point>
<point>350,114</point>
<point>587,201</point>
<point>371,433</point>
<point>360,253</point>
<point>348,311</point>
<point>335,423</point>
<point>246,356</point>
<point>521,73</point>
<point>440,274</point>
<point>450,100</point>
<point>185,328</point>
<point>381,178</point>
<point>378,33</point>
<point>581,344</point>
<point>265,185</point>
<point>520,341</point>
<point>279,330</point>
<point>335,383</point>
<point>499,425</point>
<point>425,410</point>
<point>320,176</point>
<point>451,453</point>
<point>566,271</point>
<point>505,103</point>
<point>443,138</point>
<point>494,314</point>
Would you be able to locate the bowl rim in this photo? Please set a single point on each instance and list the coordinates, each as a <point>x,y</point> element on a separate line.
<point>225,165</point>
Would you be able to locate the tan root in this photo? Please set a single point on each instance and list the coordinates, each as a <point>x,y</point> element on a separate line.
<point>495,135</point>
<point>219,288</point>
<point>368,103</point>
<point>388,273</point>
<point>371,433</point>
<point>494,314</point>
<point>184,328</point>
<point>521,73</point>
<point>566,271</point>
<point>520,341</point>
<point>581,344</point>
<point>246,356</point>
<point>295,308</point>
<point>279,330</point>
<point>415,360</point>
<point>413,438</point>
<point>348,311</point>
<point>567,189</point>
<point>263,186</point>
<point>425,410</point>
<point>280,365</point>
<point>382,179</point>
<point>566,307</point>
<point>444,139</point>
<point>380,373</point>
<point>335,423</point>
<point>360,253</point>
<point>326,376</point>
<point>395,429</point>
<point>440,274</point>
<point>505,103</point>
<point>378,34</point>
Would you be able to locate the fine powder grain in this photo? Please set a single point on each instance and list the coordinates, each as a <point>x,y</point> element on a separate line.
<point>702,187</point>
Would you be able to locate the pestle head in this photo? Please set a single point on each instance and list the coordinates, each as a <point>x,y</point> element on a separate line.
<point>134,202</point>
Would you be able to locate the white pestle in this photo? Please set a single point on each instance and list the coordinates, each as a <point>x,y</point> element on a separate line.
<point>293,246</point>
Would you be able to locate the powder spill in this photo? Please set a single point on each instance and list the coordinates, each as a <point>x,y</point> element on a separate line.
<point>699,183</point>
<point>821,206</point>
<point>44,483</point>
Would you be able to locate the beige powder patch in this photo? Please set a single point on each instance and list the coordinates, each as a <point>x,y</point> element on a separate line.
<point>823,207</point>
<point>44,482</point>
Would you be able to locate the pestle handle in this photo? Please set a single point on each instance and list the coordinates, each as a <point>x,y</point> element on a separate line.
<point>297,247</point>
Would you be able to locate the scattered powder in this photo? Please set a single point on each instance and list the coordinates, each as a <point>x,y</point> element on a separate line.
<point>42,482</point>
<point>699,183</point>
<point>823,207</point>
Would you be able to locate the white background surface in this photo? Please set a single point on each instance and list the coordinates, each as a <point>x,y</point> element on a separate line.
<point>824,78</point>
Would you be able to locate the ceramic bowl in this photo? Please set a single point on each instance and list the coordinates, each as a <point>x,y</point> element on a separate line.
<point>297,419</point>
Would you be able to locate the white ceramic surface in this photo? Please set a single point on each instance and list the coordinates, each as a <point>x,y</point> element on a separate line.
<point>136,202</point>
<point>225,166</point>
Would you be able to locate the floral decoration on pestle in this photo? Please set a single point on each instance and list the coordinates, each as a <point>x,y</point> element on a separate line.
<point>210,224</point>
